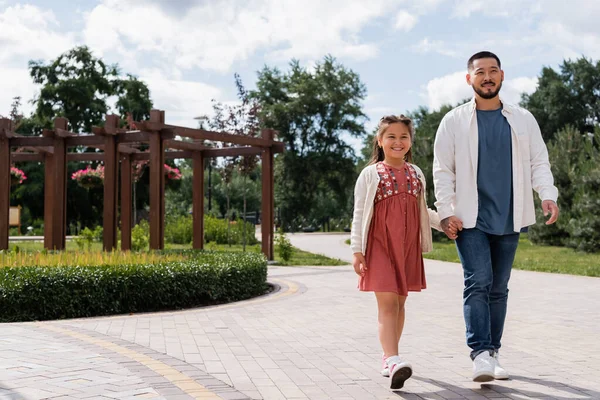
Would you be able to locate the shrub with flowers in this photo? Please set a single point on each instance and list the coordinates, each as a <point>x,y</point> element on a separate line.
<point>17,176</point>
<point>89,178</point>
<point>172,173</point>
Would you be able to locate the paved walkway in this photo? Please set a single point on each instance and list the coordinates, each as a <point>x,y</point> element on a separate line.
<point>314,338</point>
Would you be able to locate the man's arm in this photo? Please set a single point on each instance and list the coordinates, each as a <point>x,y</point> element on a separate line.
<point>444,176</point>
<point>542,180</point>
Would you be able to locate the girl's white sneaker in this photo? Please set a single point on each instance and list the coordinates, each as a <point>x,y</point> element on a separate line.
<point>400,371</point>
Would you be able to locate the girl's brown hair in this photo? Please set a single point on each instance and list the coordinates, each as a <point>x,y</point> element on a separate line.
<point>384,123</point>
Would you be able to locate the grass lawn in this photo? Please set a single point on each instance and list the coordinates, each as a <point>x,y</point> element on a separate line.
<point>535,258</point>
<point>299,257</point>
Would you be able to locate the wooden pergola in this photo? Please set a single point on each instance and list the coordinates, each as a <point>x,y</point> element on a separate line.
<point>118,146</point>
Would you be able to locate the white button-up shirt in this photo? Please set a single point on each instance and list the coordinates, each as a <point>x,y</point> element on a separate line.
<point>455,161</point>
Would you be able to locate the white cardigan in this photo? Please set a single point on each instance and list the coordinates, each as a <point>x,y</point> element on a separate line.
<point>455,165</point>
<point>364,201</point>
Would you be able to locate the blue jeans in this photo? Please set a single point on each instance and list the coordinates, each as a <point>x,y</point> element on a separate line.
<point>487,261</point>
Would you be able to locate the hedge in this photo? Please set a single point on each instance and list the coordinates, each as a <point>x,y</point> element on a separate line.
<point>41,293</point>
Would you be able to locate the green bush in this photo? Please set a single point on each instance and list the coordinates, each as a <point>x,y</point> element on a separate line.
<point>140,236</point>
<point>179,230</point>
<point>215,230</point>
<point>41,293</point>
<point>284,246</point>
<point>575,161</point>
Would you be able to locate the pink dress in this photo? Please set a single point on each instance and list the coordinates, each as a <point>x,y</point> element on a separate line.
<point>394,258</point>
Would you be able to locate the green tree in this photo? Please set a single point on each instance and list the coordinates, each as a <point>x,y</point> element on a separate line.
<point>311,109</point>
<point>568,97</point>
<point>76,85</point>
<point>575,162</point>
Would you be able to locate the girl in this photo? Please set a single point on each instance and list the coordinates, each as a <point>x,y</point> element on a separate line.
<point>390,230</point>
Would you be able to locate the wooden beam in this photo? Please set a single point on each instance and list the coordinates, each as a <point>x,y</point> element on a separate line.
<point>157,184</point>
<point>134,136</point>
<point>48,201</point>
<point>85,157</point>
<point>84,140</point>
<point>181,145</point>
<point>31,141</point>
<point>233,151</point>
<point>19,157</point>
<point>169,155</point>
<point>111,169</point>
<point>59,217</point>
<point>126,202</point>
<point>5,129</point>
<point>267,203</point>
<point>198,200</point>
<point>219,136</point>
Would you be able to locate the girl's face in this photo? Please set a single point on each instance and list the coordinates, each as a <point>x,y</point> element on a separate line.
<point>395,142</point>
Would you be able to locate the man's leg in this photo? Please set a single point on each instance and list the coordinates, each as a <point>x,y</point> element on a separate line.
<point>503,249</point>
<point>474,252</point>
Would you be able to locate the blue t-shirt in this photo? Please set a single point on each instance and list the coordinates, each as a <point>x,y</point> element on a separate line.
<point>494,173</point>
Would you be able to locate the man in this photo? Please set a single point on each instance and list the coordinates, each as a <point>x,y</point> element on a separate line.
<point>488,156</point>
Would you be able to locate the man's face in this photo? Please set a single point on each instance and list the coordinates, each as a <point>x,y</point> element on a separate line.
<point>486,77</point>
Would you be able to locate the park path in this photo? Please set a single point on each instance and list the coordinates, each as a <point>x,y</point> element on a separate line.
<point>313,338</point>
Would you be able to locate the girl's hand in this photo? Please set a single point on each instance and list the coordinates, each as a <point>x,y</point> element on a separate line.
<point>451,226</point>
<point>359,264</point>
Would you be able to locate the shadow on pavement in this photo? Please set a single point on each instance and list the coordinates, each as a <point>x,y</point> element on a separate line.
<point>570,391</point>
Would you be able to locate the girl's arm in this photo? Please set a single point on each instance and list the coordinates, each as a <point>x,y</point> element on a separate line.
<point>360,194</point>
<point>434,220</point>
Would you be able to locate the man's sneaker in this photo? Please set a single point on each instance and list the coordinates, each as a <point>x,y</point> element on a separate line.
<point>499,372</point>
<point>483,367</point>
<point>399,372</point>
<point>385,369</point>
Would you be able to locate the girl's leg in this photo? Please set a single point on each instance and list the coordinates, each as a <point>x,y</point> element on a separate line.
<point>387,305</point>
<point>401,316</point>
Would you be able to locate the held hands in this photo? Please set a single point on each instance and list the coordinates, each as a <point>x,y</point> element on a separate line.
<point>451,226</point>
<point>548,206</point>
<point>359,264</point>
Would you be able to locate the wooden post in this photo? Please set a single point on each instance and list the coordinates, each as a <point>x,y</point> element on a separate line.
<point>267,197</point>
<point>6,128</point>
<point>48,201</point>
<point>157,184</point>
<point>111,169</point>
<point>126,206</point>
<point>198,199</point>
<point>59,202</point>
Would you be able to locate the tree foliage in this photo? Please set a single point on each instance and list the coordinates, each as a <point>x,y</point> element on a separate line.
<point>312,109</point>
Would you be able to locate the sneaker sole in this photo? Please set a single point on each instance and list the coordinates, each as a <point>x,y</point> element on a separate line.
<point>501,377</point>
<point>385,373</point>
<point>483,377</point>
<point>400,377</point>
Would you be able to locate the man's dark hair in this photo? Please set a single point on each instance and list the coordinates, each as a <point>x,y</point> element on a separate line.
<point>480,55</point>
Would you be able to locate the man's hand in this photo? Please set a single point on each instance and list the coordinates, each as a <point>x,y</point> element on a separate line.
<point>359,264</point>
<point>451,226</point>
<point>548,206</point>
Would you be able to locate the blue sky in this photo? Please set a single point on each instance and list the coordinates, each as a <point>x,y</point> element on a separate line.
<point>407,52</point>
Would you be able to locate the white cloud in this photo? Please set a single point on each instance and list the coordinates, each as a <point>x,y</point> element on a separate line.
<point>29,32</point>
<point>405,21</point>
<point>181,100</point>
<point>15,82</point>
<point>214,35</point>
<point>512,89</point>
<point>505,8</point>
<point>433,46</point>
<point>453,88</point>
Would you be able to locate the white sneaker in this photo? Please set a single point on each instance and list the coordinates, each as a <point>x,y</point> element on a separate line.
<point>400,371</point>
<point>385,369</point>
<point>499,372</point>
<point>483,367</point>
